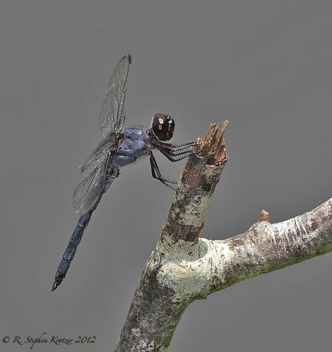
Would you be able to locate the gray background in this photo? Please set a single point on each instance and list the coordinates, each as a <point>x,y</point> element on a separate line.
<point>263,65</point>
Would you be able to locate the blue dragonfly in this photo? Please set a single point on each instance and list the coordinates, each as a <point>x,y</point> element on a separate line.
<point>120,146</point>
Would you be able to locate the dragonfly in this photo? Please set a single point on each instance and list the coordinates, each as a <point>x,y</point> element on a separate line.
<point>119,147</point>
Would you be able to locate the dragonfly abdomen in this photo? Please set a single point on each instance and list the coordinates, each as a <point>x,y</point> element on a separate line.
<point>74,241</point>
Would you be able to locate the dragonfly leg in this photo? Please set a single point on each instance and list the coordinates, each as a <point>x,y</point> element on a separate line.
<point>174,152</point>
<point>157,174</point>
<point>176,146</point>
<point>175,155</point>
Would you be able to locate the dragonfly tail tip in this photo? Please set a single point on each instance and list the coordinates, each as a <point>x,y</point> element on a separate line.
<point>55,285</point>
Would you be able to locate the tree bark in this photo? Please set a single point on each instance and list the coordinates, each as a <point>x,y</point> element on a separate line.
<point>183,267</point>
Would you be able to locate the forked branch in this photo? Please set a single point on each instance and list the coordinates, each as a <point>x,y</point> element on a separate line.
<point>183,268</point>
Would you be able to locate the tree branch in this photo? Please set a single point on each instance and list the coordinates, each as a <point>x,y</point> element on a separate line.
<point>183,268</point>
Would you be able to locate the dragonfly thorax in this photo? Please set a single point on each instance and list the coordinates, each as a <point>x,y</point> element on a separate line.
<point>134,143</point>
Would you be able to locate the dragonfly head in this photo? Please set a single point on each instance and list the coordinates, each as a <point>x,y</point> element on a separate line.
<point>163,126</point>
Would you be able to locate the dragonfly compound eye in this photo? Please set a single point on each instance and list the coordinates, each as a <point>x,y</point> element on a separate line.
<point>163,126</point>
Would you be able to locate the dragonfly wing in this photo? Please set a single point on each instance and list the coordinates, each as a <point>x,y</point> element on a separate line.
<point>112,111</point>
<point>110,121</point>
<point>88,191</point>
<point>97,157</point>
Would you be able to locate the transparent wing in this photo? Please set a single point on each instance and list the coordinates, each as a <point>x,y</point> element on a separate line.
<point>97,157</point>
<point>110,121</point>
<point>112,111</point>
<point>88,191</point>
